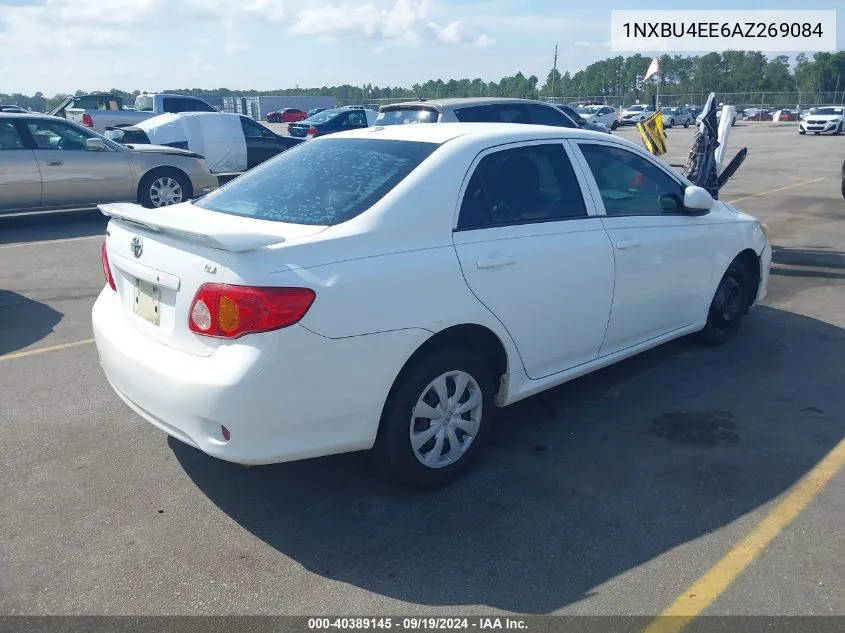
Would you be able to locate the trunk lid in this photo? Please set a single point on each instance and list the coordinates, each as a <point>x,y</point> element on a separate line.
<point>160,257</point>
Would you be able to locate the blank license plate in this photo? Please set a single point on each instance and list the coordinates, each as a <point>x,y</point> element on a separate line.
<point>148,301</point>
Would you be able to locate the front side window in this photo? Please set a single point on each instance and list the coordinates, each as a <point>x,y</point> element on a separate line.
<point>629,184</point>
<point>548,115</point>
<point>57,135</point>
<point>322,183</point>
<point>253,130</point>
<point>499,113</point>
<point>535,183</point>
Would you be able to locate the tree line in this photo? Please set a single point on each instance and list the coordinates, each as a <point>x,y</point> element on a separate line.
<point>616,77</point>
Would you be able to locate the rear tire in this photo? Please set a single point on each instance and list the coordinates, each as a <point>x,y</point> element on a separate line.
<point>164,187</point>
<point>838,130</point>
<point>447,437</point>
<point>671,123</point>
<point>728,306</point>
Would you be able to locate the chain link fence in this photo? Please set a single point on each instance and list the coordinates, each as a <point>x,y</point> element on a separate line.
<point>739,99</point>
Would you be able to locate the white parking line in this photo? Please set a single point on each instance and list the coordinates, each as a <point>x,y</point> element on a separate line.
<point>765,193</point>
<point>63,239</point>
<point>44,350</point>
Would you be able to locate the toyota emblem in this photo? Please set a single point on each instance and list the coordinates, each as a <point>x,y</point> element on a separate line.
<point>137,246</point>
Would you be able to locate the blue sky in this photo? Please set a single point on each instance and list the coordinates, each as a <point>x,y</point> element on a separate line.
<point>67,45</point>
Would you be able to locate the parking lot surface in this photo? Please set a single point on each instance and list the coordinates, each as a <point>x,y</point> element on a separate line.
<point>609,495</point>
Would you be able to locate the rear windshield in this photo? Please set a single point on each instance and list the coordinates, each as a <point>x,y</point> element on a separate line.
<point>322,182</point>
<point>144,103</point>
<point>322,117</point>
<point>401,116</point>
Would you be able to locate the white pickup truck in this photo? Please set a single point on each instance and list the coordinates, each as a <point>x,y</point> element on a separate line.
<point>101,111</point>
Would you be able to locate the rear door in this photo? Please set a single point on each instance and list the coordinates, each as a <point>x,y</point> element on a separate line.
<point>20,178</point>
<point>73,174</point>
<point>533,252</point>
<point>664,255</point>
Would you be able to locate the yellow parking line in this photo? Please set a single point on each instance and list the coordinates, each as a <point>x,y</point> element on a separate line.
<point>64,239</point>
<point>703,592</point>
<point>44,350</point>
<point>765,193</point>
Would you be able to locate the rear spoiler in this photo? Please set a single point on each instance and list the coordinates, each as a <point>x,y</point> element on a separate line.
<point>216,230</point>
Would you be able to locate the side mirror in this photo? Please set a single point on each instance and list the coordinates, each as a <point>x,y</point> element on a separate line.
<point>94,144</point>
<point>697,199</point>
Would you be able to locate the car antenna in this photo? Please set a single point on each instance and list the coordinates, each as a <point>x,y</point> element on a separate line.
<point>419,97</point>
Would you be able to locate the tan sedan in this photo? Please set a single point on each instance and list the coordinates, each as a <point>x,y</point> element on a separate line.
<point>50,163</point>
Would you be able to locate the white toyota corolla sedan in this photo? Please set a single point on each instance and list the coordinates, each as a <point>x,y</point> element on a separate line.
<point>390,288</point>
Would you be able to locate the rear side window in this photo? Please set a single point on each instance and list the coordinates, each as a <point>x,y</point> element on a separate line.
<point>321,182</point>
<point>499,113</point>
<point>535,183</point>
<point>9,137</point>
<point>403,116</point>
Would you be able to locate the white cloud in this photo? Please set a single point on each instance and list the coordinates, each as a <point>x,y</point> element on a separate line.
<point>455,33</point>
<point>368,19</point>
<point>111,12</point>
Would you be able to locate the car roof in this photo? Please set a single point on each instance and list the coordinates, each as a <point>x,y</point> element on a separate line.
<point>440,133</point>
<point>28,115</point>
<point>454,102</point>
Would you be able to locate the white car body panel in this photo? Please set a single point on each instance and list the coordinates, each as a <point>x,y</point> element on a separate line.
<point>386,282</point>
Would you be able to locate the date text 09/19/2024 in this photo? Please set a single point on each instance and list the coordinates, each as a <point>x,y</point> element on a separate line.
<point>416,623</point>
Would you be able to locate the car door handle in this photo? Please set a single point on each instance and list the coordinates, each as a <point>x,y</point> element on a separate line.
<point>626,244</point>
<point>55,163</point>
<point>495,263</point>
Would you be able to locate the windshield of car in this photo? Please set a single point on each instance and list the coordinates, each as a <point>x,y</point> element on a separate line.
<point>829,111</point>
<point>322,117</point>
<point>322,182</point>
<point>589,109</point>
<point>636,108</point>
<point>401,116</point>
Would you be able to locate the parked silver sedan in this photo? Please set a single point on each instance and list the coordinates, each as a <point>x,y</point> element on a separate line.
<point>676,116</point>
<point>50,163</point>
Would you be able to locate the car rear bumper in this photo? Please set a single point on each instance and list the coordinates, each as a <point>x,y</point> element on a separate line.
<point>284,395</point>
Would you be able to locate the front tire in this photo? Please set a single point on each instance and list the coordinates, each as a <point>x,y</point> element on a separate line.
<point>164,187</point>
<point>436,418</point>
<point>614,126</point>
<point>801,132</point>
<point>671,123</point>
<point>728,306</point>
<point>686,123</point>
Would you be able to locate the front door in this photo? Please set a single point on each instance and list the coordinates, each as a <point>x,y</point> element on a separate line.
<point>71,173</point>
<point>261,143</point>
<point>20,180</point>
<point>534,254</point>
<point>664,255</point>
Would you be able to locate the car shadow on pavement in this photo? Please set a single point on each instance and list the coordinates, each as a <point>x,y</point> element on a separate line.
<point>51,226</point>
<point>579,485</point>
<point>24,321</point>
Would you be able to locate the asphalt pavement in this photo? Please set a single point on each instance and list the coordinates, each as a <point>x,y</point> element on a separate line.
<point>609,495</point>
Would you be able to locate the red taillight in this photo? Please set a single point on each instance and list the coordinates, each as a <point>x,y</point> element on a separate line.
<point>226,311</point>
<point>86,120</point>
<point>313,131</point>
<point>104,258</point>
